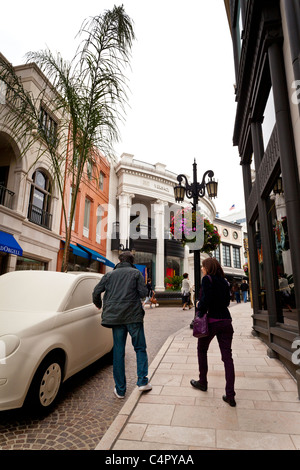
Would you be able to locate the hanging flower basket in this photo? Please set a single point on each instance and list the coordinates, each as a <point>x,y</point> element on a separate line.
<point>186,222</point>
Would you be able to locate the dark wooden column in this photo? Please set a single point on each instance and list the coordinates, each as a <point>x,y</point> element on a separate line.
<point>267,236</point>
<point>251,240</point>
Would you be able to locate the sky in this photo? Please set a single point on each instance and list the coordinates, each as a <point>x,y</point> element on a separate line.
<point>181,101</point>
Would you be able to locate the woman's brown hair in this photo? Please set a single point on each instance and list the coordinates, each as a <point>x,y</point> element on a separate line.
<point>213,267</point>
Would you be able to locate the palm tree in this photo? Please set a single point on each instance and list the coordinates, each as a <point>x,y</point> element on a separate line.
<point>89,95</point>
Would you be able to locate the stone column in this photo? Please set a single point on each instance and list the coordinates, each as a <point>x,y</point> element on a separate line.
<point>159,214</point>
<point>125,201</point>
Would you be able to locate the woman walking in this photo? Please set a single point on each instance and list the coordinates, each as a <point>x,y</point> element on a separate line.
<point>149,293</point>
<point>214,300</point>
<point>186,292</point>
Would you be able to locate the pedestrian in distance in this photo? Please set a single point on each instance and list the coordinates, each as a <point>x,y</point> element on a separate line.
<point>186,292</point>
<point>244,289</point>
<point>123,288</point>
<point>149,293</point>
<point>236,291</point>
<point>214,300</point>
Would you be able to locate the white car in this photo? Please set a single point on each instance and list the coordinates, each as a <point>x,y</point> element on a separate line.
<point>49,330</point>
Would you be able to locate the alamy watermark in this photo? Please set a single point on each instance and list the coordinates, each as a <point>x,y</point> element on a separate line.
<point>296,94</point>
<point>187,225</point>
<point>296,354</point>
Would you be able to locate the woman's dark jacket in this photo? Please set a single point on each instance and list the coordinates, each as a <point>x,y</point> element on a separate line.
<point>124,288</point>
<point>214,298</point>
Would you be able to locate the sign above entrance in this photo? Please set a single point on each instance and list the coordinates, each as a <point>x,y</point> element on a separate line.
<point>156,186</point>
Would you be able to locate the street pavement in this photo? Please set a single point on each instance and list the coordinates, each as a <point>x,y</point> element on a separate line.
<point>87,405</point>
<point>175,416</point>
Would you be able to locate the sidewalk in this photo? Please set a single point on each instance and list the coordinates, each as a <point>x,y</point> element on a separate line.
<point>175,416</point>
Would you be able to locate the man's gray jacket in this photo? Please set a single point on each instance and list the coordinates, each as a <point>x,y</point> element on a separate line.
<point>124,288</point>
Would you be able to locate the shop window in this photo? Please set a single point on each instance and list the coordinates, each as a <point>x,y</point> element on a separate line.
<point>76,263</point>
<point>148,260</point>
<point>282,255</point>
<point>40,200</point>
<point>24,264</point>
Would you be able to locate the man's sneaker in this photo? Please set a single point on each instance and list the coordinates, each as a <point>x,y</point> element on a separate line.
<point>145,388</point>
<point>230,401</point>
<point>117,395</point>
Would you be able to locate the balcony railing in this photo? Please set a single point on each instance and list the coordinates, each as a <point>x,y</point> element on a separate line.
<point>6,197</point>
<point>39,216</point>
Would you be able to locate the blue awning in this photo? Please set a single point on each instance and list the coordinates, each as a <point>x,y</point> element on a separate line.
<point>77,251</point>
<point>96,256</point>
<point>9,245</point>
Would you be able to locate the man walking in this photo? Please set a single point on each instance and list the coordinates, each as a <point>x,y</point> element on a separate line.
<point>244,289</point>
<point>124,288</point>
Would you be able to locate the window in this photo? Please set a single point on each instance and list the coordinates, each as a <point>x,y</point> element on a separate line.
<point>236,257</point>
<point>48,125</point>
<point>239,28</point>
<point>81,295</point>
<point>30,264</point>
<point>217,254</point>
<point>98,226</point>
<point>2,92</point>
<point>89,169</point>
<point>226,255</point>
<point>70,203</point>
<point>101,180</point>
<point>40,200</point>
<point>86,222</point>
<point>269,119</point>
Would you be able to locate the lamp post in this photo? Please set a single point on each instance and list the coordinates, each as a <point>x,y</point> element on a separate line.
<point>195,191</point>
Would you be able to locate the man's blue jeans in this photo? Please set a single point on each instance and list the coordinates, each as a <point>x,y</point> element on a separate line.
<point>136,331</point>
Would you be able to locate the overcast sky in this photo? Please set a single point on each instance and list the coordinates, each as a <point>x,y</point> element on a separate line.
<point>182,104</point>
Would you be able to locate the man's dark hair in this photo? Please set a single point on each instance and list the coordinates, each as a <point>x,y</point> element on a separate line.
<point>126,256</point>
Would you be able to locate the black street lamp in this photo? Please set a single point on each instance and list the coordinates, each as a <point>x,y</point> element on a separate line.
<point>195,191</point>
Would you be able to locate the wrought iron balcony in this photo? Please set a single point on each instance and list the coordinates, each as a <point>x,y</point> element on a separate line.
<point>6,197</point>
<point>39,216</point>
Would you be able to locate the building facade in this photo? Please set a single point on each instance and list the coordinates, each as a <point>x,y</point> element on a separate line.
<point>30,206</point>
<point>266,47</point>
<point>141,207</point>
<point>88,236</point>
<point>230,252</point>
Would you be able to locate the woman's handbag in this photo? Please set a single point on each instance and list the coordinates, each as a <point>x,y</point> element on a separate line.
<point>153,299</point>
<point>200,326</point>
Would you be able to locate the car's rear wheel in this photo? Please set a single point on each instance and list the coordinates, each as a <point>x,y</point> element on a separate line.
<point>46,383</point>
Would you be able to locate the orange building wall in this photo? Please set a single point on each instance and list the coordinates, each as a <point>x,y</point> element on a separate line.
<point>88,189</point>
